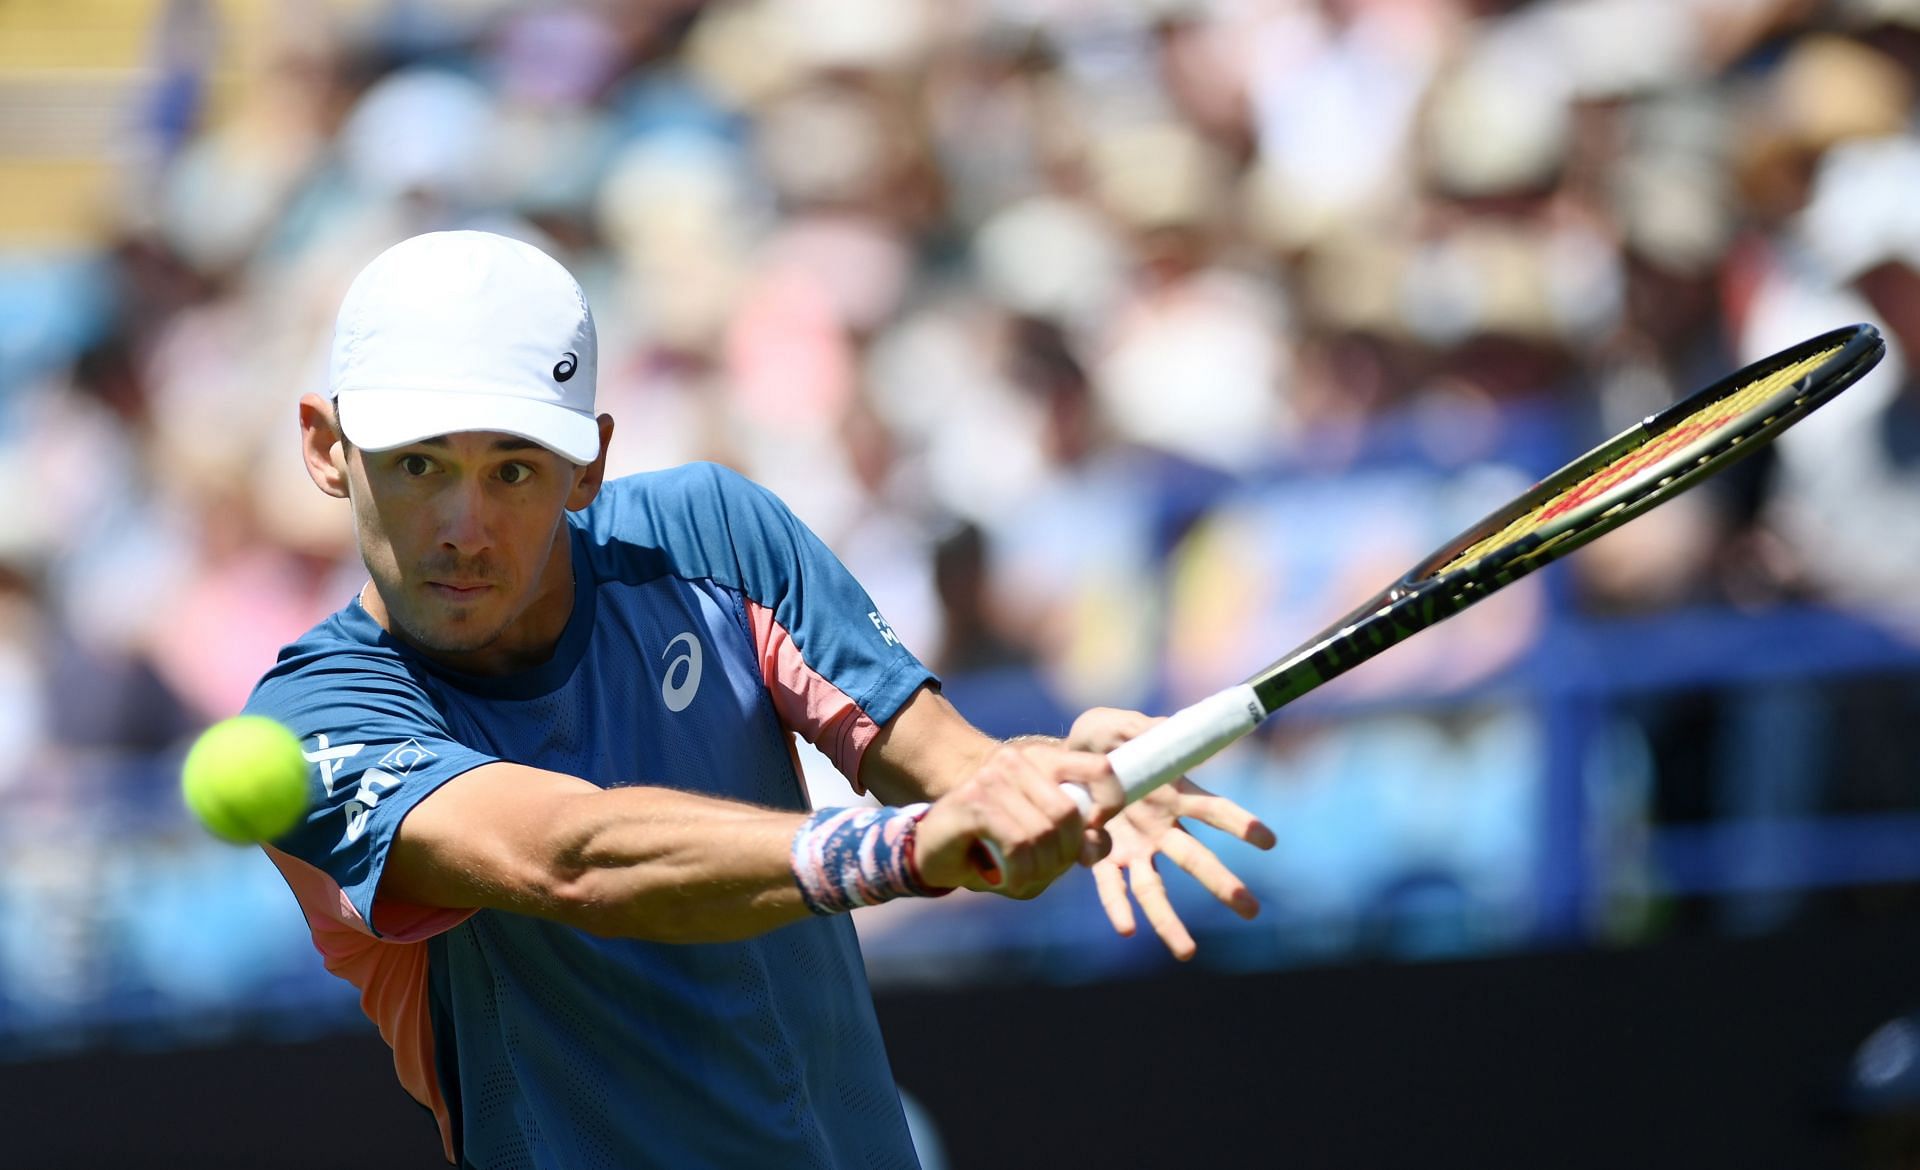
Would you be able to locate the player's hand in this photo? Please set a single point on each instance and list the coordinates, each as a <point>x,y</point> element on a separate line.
<point>1151,828</point>
<point>1015,802</point>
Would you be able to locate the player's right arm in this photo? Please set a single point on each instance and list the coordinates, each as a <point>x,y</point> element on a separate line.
<point>643,862</point>
<point>674,866</point>
<point>406,820</point>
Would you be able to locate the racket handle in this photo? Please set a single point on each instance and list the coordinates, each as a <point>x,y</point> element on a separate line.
<point>1163,752</point>
<point>1189,737</point>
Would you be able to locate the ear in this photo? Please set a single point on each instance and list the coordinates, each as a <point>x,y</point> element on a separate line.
<point>587,480</point>
<point>320,446</point>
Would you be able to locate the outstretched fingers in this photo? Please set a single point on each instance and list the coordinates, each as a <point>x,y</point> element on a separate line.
<point>1112,886</point>
<point>1196,803</point>
<point>1213,875</point>
<point>1151,893</point>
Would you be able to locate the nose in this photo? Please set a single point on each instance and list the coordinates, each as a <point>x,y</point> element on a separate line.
<point>464,526</point>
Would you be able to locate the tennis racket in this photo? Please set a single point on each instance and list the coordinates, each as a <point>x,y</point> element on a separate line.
<point>1632,473</point>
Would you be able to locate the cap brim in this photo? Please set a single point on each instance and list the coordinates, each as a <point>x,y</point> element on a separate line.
<point>380,420</point>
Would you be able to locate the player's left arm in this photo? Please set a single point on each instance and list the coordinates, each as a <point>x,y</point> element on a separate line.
<point>925,751</point>
<point>928,747</point>
<point>837,673</point>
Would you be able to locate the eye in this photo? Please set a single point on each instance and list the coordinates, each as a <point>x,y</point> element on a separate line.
<point>515,473</point>
<point>415,465</point>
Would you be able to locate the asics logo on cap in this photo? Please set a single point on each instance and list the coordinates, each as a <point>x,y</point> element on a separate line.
<point>564,368</point>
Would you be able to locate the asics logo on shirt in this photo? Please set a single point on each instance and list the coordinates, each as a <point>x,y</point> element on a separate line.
<point>682,678</point>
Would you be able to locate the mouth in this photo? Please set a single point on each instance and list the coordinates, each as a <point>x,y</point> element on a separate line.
<point>457,590</point>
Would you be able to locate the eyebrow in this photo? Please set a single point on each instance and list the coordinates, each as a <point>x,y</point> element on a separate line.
<point>510,443</point>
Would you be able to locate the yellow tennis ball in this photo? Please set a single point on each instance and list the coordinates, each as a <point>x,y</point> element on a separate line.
<point>245,778</point>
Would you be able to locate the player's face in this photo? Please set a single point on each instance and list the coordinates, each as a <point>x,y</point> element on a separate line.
<point>465,537</point>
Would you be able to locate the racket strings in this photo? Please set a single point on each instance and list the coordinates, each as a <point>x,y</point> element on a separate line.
<point>1644,460</point>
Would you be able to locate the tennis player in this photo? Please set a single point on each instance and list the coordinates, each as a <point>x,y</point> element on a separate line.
<point>558,838</point>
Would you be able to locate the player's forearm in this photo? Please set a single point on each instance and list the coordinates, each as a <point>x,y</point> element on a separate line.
<point>924,752</point>
<point>929,779</point>
<point>671,866</point>
<point>642,862</point>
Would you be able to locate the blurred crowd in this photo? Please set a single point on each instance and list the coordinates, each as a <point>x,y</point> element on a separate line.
<point>1115,344</point>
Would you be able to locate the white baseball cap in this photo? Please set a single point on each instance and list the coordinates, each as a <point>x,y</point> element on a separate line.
<point>465,331</point>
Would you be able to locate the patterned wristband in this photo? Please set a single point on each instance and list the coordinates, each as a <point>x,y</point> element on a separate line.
<point>845,858</point>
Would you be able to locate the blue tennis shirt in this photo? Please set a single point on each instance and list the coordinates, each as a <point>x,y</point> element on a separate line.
<point>708,624</point>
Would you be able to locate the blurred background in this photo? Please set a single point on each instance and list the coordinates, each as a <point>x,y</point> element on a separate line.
<point>1116,345</point>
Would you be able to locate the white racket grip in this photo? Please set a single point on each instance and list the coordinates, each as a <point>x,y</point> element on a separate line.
<point>1166,750</point>
<point>1188,737</point>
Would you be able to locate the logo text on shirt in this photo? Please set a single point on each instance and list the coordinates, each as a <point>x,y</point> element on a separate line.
<point>331,758</point>
<point>373,782</point>
<point>886,631</point>
<point>682,677</point>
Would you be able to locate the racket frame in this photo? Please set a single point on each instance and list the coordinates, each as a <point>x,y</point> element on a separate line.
<point>1424,597</point>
